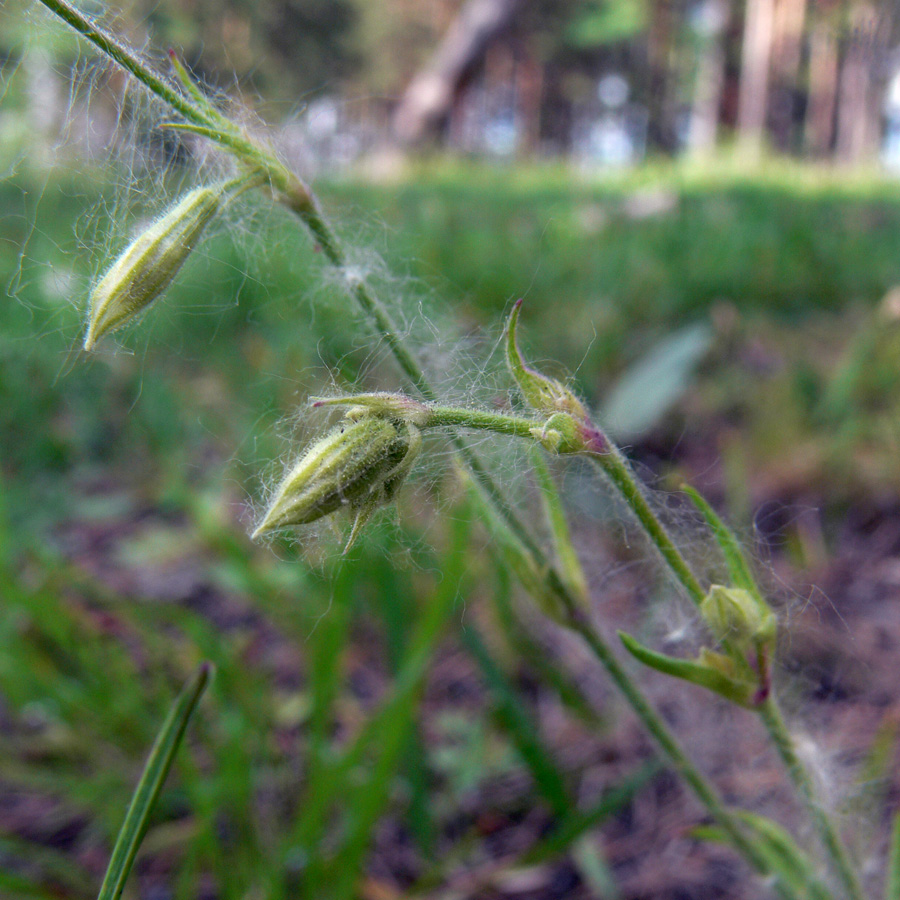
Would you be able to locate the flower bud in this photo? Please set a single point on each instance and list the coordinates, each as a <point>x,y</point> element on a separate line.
<point>735,615</point>
<point>542,393</point>
<point>148,265</point>
<point>360,464</point>
<point>561,433</point>
<point>380,403</point>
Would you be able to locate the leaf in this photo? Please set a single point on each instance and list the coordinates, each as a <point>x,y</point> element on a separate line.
<point>555,517</point>
<point>607,23</point>
<point>521,727</point>
<point>709,671</point>
<point>148,789</point>
<point>892,882</point>
<point>738,566</point>
<point>649,388</point>
<point>577,823</point>
<point>786,859</point>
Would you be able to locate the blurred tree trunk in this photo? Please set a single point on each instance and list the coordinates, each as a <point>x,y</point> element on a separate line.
<point>529,95</point>
<point>859,94</point>
<point>661,131</point>
<point>709,81</point>
<point>756,56</point>
<point>427,101</point>
<point>823,82</point>
<point>790,16</point>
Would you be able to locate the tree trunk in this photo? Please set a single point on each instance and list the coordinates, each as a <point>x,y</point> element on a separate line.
<point>756,56</point>
<point>661,130</point>
<point>529,93</point>
<point>786,54</point>
<point>858,130</point>
<point>427,101</point>
<point>823,81</point>
<point>709,81</point>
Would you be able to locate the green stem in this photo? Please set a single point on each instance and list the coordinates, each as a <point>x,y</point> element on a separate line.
<point>614,466</point>
<point>128,59</point>
<point>838,857</point>
<point>611,463</point>
<point>499,423</point>
<point>616,469</point>
<point>667,742</point>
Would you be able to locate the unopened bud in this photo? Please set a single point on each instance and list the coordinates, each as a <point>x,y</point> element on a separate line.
<point>360,464</point>
<point>735,615</point>
<point>148,265</point>
<point>380,403</point>
<point>541,392</point>
<point>561,433</point>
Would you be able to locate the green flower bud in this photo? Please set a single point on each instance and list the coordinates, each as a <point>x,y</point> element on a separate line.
<point>542,393</point>
<point>737,616</point>
<point>561,433</point>
<point>380,403</point>
<point>148,265</point>
<point>360,464</point>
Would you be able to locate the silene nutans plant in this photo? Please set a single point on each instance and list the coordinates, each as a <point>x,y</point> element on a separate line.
<point>359,465</point>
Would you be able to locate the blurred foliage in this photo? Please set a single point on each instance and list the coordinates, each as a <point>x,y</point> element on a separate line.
<point>286,50</point>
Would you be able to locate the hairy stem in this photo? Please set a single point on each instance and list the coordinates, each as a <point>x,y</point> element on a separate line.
<point>666,741</point>
<point>128,60</point>
<point>838,857</point>
<point>613,465</point>
<point>616,468</point>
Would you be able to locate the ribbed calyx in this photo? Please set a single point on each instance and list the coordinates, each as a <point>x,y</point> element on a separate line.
<point>149,263</point>
<point>360,465</point>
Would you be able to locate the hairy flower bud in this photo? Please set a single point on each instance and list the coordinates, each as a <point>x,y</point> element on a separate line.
<point>541,392</point>
<point>735,615</point>
<point>380,403</point>
<point>360,464</point>
<point>148,265</point>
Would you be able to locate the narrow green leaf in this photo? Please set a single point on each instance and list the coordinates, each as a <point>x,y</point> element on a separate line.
<point>649,388</point>
<point>555,516</point>
<point>148,789</point>
<point>698,672</point>
<point>786,859</point>
<point>522,729</point>
<point>191,86</point>
<point>524,644</point>
<point>377,750</point>
<point>594,869</point>
<point>892,882</point>
<point>214,134</point>
<point>738,567</point>
<point>578,823</point>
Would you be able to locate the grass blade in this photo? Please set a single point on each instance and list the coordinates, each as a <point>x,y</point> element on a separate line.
<point>147,792</point>
<point>522,729</point>
<point>738,567</point>
<point>892,883</point>
<point>787,860</point>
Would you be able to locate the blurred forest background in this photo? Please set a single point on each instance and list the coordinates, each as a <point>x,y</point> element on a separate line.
<point>698,202</point>
<point>602,81</point>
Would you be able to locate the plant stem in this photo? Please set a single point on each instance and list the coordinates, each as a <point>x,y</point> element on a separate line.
<point>499,423</point>
<point>666,741</point>
<point>616,469</point>
<point>129,60</point>
<point>838,857</point>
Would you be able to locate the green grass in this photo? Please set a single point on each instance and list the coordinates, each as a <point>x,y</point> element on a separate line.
<point>795,248</point>
<point>290,765</point>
